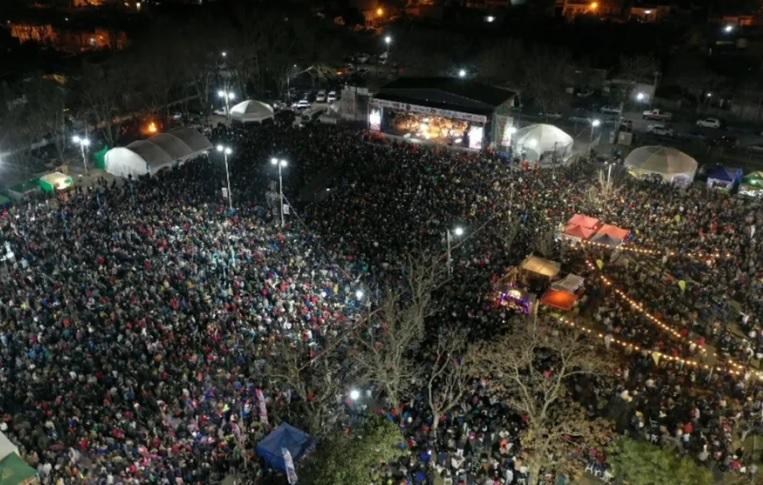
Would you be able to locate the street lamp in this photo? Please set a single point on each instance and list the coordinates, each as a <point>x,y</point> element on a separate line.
<point>490,19</point>
<point>227,151</point>
<point>458,231</point>
<point>595,123</point>
<point>280,163</point>
<point>462,73</point>
<point>728,29</point>
<point>641,96</point>
<point>224,53</point>
<point>228,96</point>
<point>387,42</point>
<point>354,394</point>
<point>359,294</point>
<point>83,143</point>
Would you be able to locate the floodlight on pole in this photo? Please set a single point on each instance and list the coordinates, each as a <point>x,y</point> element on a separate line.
<point>728,29</point>
<point>280,163</point>
<point>462,73</point>
<point>359,294</point>
<point>457,231</point>
<point>228,96</point>
<point>388,39</point>
<point>490,19</point>
<point>83,143</point>
<point>354,394</point>
<point>640,96</point>
<point>225,150</point>
<point>595,123</point>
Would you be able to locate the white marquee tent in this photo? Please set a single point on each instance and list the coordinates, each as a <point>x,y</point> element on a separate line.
<point>251,111</point>
<point>668,164</point>
<point>153,154</point>
<point>542,140</point>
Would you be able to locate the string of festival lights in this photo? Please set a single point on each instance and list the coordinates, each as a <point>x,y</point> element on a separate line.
<point>640,308</point>
<point>701,255</point>
<point>637,348</point>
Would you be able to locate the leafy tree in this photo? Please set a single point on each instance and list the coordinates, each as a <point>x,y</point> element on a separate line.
<point>358,457</point>
<point>641,463</point>
<point>530,369</point>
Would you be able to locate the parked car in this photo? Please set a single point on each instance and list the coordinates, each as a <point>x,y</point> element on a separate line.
<point>320,97</point>
<point>611,110</point>
<point>709,122</point>
<point>657,114</point>
<point>301,104</point>
<point>659,130</point>
<point>362,58</point>
<point>331,97</point>
<point>756,147</point>
<point>584,93</point>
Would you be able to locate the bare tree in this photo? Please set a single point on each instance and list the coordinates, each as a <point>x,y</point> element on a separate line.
<point>448,377</point>
<point>385,350</point>
<point>106,96</point>
<point>45,113</point>
<point>315,383</point>
<point>545,75</point>
<point>530,369</point>
<point>638,68</point>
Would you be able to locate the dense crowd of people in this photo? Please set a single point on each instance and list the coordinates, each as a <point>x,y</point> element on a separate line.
<point>140,317</point>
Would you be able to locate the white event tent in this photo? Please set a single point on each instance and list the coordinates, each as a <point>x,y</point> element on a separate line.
<point>251,111</point>
<point>542,140</point>
<point>668,164</point>
<point>151,155</point>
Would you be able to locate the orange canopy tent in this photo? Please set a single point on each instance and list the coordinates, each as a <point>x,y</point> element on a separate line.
<point>560,299</point>
<point>579,232</point>
<point>614,232</point>
<point>584,221</point>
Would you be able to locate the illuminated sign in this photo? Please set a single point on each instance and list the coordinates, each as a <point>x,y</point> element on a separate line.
<point>374,119</point>
<point>476,135</point>
<point>414,108</point>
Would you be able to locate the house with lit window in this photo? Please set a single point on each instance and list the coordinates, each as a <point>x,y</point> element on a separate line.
<point>571,9</point>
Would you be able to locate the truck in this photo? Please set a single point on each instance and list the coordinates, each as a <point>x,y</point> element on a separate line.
<point>657,114</point>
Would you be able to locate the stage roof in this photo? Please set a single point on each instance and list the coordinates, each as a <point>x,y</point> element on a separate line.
<point>454,94</point>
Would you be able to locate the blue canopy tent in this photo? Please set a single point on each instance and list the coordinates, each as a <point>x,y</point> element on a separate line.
<point>724,178</point>
<point>286,436</point>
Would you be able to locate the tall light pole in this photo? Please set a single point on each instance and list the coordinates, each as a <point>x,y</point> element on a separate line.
<point>595,123</point>
<point>458,231</point>
<point>280,163</point>
<point>228,96</point>
<point>227,151</point>
<point>83,143</point>
<point>462,73</point>
<point>387,42</point>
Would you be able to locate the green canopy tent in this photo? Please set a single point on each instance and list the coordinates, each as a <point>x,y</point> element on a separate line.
<point>14,471</point>
<point>99,157</point>
<point>752,184</point>
<point>55,181</point>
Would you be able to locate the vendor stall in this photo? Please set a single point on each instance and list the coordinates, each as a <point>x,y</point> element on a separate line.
<point>611,235</point>
<point>752,185</point>
<point>723,178</point>
<point>55,181</point>
<point>559,299</point>
<point>581,227</point>
<point>537,266</point>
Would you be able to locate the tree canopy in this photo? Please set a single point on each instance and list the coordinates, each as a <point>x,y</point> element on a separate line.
<point>641,463</point>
